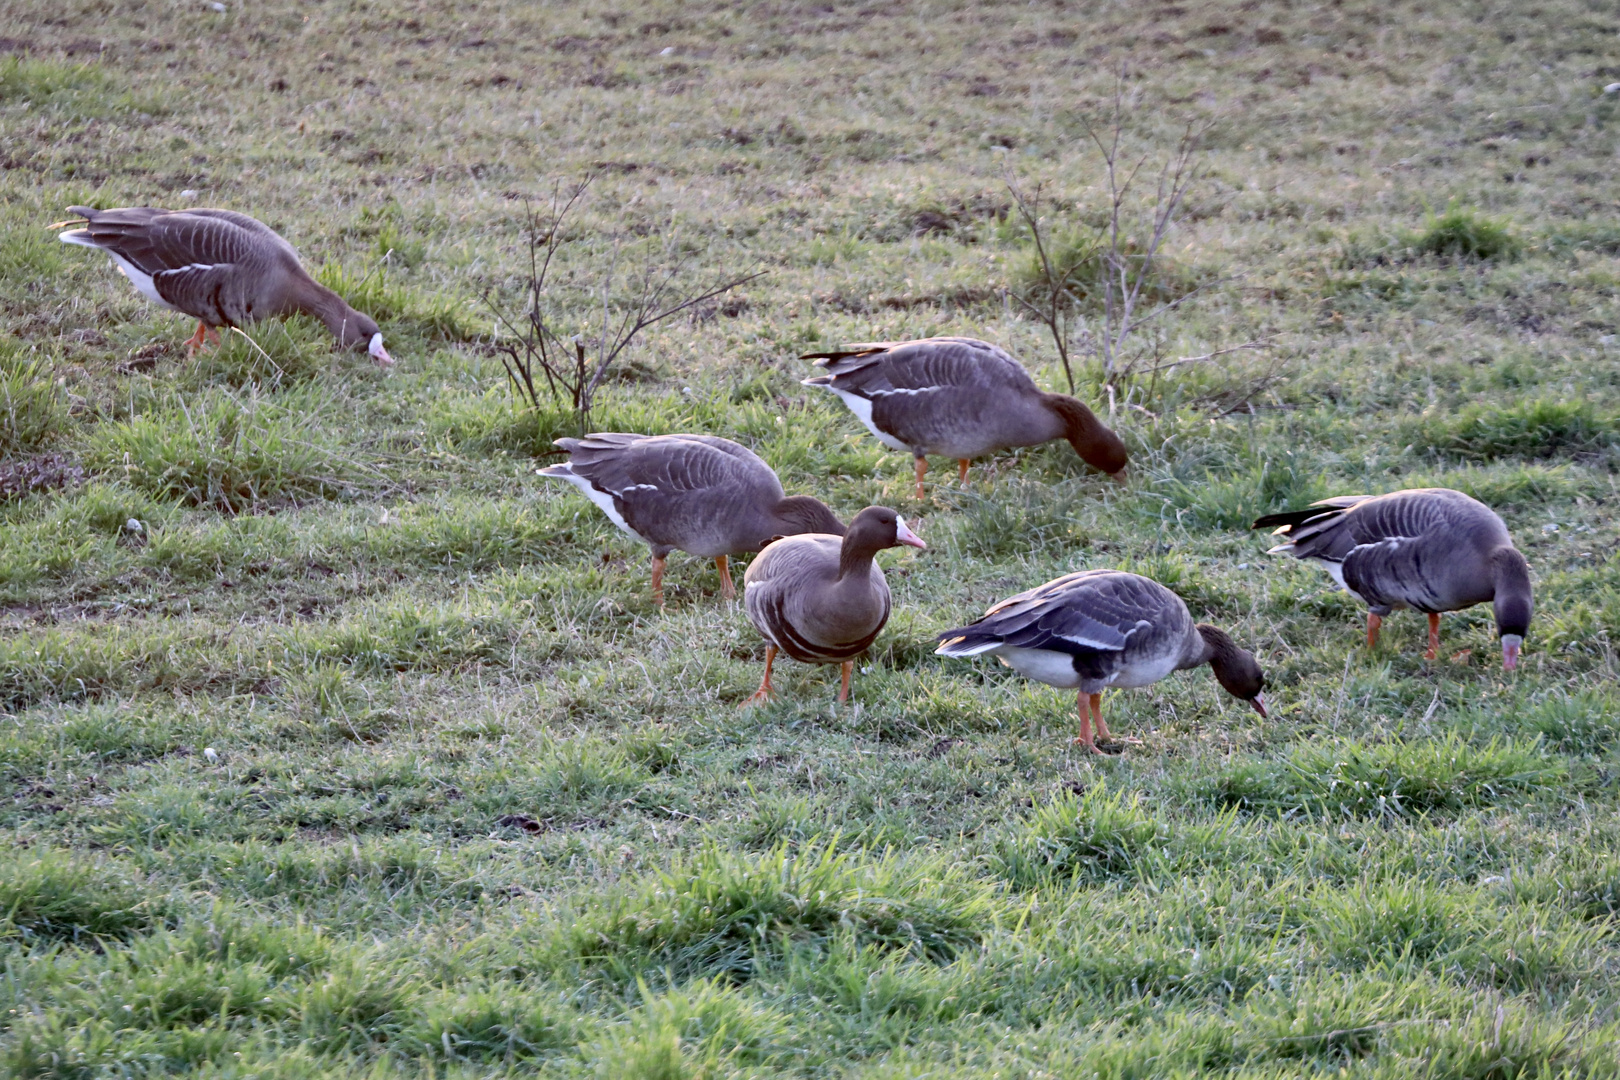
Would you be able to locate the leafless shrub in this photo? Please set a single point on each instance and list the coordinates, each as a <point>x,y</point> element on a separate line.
<point>537,349</point>
<point>1102,291</point>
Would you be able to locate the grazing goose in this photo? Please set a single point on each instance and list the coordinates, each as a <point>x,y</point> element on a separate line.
<point>699,494</point>
<point>220,267</point>
<point>1101,628</point>
<point>1428,549</point>
<point>959,398</point>
<point>823,600</point>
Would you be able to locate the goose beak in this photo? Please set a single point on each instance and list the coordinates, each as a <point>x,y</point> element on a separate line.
<point>1510,651</point>
<point>1258,703</point>
<point>378,353</point>
<point>903,535</point>
<point>1122,477</point>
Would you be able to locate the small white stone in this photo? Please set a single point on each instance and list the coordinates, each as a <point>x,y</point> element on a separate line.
<point>667,51</point>
<point>1243,566</point>
<point>189,193</point>
<point>134,525</point>
<point>217,6</point>
<point>211,754</point>
<point>1549,528</point>
<point>1612,88</point>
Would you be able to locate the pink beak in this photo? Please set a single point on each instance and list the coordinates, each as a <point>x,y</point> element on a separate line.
<point>1258,704</point>
<point>378,353</point>
<point>903,535</point>
<point>1510,655</point>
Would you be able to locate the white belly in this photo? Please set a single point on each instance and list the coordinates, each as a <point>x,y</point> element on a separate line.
<point>862,408</point>
<point>1042,665</point>
<point>600,498</point>
<point>1145,672</point>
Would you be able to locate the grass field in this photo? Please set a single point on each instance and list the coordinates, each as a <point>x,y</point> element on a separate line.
<point>474,806</point>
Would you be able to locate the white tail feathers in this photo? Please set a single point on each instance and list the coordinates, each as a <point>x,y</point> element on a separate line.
<point>961,646</point>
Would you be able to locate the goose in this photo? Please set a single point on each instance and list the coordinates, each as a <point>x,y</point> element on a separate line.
<point>822,599</point>
<point>1428,549</point>
<point>700,494</point>
<point>220,267</point>
<point>1099,628</point>
<point>961,398</point>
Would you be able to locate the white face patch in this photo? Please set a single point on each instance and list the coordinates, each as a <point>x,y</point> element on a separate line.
<point>377,351</point>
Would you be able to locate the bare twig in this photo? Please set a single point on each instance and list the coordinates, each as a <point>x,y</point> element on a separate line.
<point>1202,357</point>
<point>1122,259</point>
<point>537,349</point>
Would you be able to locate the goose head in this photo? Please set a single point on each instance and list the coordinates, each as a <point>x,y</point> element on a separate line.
<point>1235,667</point>
<point>357,330</point>
<point>1512,602</point>
<point>1097,446</point>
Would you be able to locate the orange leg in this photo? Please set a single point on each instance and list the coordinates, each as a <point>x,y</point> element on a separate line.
<point>728,591</point>
<point>658,579</point>
<point>1434,636</point>
<point>848,666</point>
<point>195,341</point>
<point>961,470</point>
<point>1373,623</point>
<point>1083,704</point>
<point>922,471</point>
<point>763,694</point>
<point>1103,734</point>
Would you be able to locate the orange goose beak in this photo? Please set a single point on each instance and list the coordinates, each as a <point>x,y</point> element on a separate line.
<point>378,353</point>
<point>903,535</point>
<point>1258,704</point>
<point>1510,651</point>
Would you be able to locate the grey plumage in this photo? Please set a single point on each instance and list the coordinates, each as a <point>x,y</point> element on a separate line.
<point>1109,627</point>
<point>958,397</point>
<point>1427,549</point>
<point>700,494</point>
<point>218,266</point>
<point>1096,629</point>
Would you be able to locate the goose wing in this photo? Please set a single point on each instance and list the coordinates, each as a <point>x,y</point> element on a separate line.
<point>155,241</point>
<point>1093,611</point>
<point>667,486</point>
<point>880,369</point>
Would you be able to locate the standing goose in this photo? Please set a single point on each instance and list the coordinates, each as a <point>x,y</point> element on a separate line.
<point>699,494</point>
<point>961,398</point>
<point>220,267</point>
<point>1428,549</point>
<point>1099,628</point>
<point>823,600</point>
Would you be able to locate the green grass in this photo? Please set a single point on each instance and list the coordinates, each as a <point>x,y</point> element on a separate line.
<point>366,752</point>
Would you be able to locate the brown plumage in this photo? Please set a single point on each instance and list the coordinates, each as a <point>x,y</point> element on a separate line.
<point>1428,549</point>
<point>822,599</point>
<point>220,267</point>
<point>959,397</point>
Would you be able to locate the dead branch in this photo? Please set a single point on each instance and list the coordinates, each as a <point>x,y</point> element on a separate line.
<point>538,351</point>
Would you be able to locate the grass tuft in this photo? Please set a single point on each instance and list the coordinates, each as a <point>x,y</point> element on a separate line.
<point>1093,837</point>
<point>33,411</point>
<point>226,452</point>
<point>1532,428</point>
<point>55,895</point>
<point>1394,779</point>
<point>715,913</point>
<point>1465,233</point>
